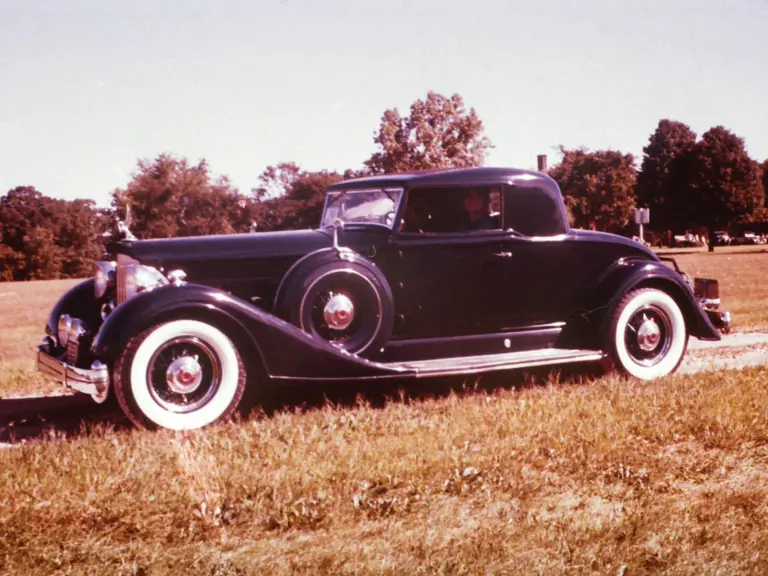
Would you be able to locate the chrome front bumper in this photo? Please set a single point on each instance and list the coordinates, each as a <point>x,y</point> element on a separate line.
<point>94,382</point>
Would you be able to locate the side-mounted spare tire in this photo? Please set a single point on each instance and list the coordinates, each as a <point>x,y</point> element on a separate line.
<point>343,299</point>
<point>647,335</point>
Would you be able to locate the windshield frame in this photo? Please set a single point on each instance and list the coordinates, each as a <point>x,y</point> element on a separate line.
<point>333,196</point>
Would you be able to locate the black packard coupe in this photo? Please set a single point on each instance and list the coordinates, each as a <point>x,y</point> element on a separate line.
<point>443,272</point>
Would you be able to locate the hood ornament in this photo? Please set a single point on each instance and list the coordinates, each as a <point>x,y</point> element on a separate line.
<point>123,227</point>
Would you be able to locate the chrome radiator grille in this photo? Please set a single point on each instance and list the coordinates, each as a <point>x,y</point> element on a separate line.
<point>73,348</point>
<point>120,281</point>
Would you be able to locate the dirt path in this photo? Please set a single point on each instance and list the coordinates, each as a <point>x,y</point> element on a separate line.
<point>734,351</point>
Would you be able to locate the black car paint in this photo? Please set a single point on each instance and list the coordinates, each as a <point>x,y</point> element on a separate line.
<point>246,265</point>
<point>275,348</point>
<point>80,302</point>
<point>453,294</point>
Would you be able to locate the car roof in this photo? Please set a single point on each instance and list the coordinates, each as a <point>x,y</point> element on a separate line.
<point>475,176</point>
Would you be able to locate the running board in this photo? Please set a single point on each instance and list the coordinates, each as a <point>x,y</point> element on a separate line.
<point>491,362</point>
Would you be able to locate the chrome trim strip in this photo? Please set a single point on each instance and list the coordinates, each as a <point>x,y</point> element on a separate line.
<point>94,382</point>
<point>509,361</point>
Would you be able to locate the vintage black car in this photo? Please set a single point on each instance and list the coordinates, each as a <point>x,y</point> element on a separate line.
<point>444,272</point>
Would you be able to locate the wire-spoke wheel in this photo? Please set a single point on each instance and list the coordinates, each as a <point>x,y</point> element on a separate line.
<point>181,375</point>
<point>648,336</point>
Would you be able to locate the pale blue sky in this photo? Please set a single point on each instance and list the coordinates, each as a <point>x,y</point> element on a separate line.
<point>88,87</point>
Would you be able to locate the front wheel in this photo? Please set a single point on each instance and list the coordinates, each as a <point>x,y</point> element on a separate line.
<point>181,375</point>
<point>648,336</point>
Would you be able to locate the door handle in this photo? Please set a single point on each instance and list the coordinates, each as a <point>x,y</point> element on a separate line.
<point>503,254</point>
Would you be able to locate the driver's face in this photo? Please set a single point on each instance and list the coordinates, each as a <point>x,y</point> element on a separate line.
<point>474,202</point>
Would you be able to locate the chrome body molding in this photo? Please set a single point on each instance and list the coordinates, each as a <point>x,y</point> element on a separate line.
<point>93,381</point>
<point>467,365</point>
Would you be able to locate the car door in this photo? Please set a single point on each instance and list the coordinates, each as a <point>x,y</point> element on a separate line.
<point>449,279</point>
<point>532,288</point>
<point>529,289</point>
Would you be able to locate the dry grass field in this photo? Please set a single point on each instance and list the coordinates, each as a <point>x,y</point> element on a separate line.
<point>743,275</point>
<point>547,476</point>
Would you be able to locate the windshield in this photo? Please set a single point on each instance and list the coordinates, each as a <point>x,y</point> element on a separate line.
<point>362,207</point>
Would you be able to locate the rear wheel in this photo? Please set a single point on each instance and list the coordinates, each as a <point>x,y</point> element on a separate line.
<point>180,375</point>
<point>648,336</point>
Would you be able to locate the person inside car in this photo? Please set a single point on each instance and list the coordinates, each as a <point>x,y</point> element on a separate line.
<point>476,204</point>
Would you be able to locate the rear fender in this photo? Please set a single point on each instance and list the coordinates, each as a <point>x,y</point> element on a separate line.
<point>281,349</point>
<point>631,274</point>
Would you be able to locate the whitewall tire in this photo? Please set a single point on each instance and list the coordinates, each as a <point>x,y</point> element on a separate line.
<point>181,375</point>
<point>648,336</point>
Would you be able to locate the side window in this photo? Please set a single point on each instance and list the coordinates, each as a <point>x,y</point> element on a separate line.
<point>531,211</point>
<point>452,210</point>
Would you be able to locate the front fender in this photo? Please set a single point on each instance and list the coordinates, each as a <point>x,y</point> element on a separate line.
<point>631,274</point>
<point>282,349</point>
<point>79,301</point>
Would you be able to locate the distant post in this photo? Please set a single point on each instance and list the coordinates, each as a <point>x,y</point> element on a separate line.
<point>642,216</point>
<point>541,161</point>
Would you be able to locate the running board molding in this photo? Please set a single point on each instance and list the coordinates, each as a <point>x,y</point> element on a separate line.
<point>493,362</point>
<point>460,365</point>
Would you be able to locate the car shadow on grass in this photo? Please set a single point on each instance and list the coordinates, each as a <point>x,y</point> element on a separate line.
<point>47,418</point>
<point>50,418</point>
<point>308,397</point>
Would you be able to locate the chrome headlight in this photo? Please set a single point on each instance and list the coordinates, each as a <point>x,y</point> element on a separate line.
<point>62,332</point>
<point>139,278</point>
<point>76,329</point>
<point>104,277</point>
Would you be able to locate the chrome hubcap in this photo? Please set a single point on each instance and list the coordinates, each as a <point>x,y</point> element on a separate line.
<point>184,375</point>
<point>648,335</point>
<point>339,312</point>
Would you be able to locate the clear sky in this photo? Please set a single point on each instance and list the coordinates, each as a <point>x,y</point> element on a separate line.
<point>89,87</point>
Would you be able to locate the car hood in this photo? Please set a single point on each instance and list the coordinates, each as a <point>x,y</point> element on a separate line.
<point>608,238</point>
<point>172,252</point>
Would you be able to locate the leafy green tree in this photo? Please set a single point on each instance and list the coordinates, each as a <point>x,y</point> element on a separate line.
<point>598,187</point>
<point>169,197</point>
<point>77,229</point>
<point>764,167</point>
<point>439,133</point>
<point>44,259</point>
<point>24,210</point>
<point>664,178</point>
<point>11,262</point>
<point>726,185</point>
<point>289,198</point>
<point>276,181</point>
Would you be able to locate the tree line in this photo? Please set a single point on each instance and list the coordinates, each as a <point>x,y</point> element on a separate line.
<point>689,183</point>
